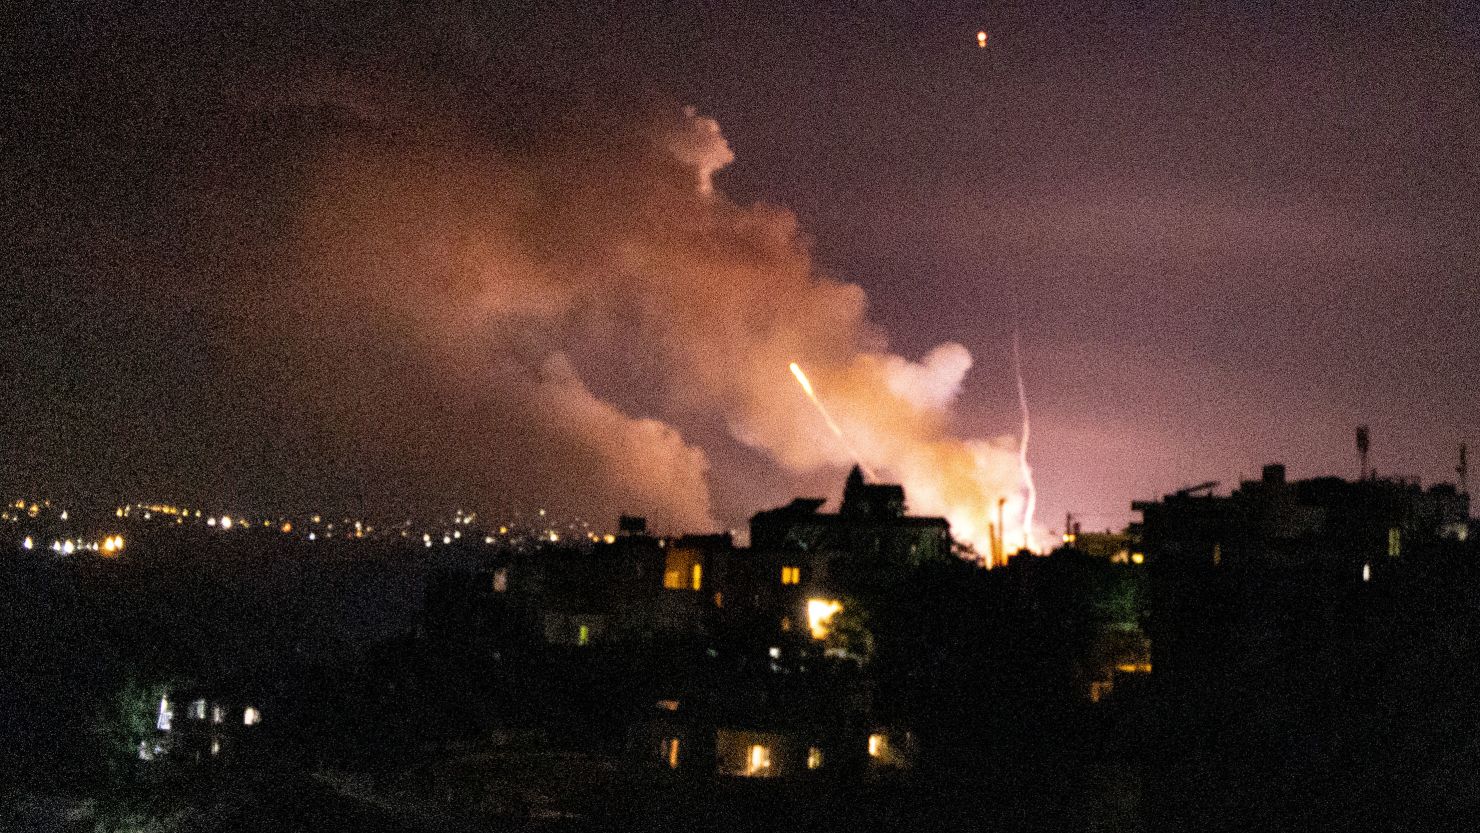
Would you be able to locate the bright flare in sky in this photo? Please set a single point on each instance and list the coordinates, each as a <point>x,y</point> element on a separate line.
<point>806,384</point>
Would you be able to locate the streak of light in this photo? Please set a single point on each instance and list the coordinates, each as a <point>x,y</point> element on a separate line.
<point>806,384</point>
<point>1032,498</point>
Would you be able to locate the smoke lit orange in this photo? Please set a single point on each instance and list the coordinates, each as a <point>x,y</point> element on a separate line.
<point>796,370</point>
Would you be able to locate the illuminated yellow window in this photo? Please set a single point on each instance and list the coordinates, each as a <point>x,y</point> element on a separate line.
<point>875,745</point>
<point>719,600</point>
<point>698,576</point>
<point>583,635</point>
<point>760,760</point>
<point>673,580</point>
<point>1395,542</point>
<point>791,575</point>
<point>670,752</point>
<point>814,758</point>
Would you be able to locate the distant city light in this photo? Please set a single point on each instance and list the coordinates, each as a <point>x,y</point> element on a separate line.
<point>251,717</point>
<point>28,543</point>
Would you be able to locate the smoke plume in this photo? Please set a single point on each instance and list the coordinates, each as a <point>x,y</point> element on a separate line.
<point>599,304</point>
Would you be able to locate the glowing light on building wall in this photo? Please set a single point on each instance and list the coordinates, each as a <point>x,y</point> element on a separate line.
<point>698,576</point>
<point>819,616</point>
<point>251,717</point>
<point>760,760</point>
<point>672,752</point>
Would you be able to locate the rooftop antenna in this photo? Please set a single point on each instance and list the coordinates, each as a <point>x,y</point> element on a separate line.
<point>1463,469</point>
<point>1364,443</point>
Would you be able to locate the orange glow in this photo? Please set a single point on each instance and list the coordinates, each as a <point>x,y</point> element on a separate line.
<point>760,760</point>
<point>819,616</point>
<point>796,370</point>
<point>981,40</point>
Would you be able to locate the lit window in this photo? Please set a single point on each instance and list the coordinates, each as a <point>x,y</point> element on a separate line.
<point>1366,572</point>
<point>165,715</point>
<point>791,575</point>
<point>698,576</point>
<point>814,758</point>
<point>673,580</point>
<point>251,717</point>
<point>775,652</point>
<point>668,705</point>
<point>218,714</point>
<point>719,600</point>
<point>875,745</point>
<point>670,750</point>
<point>760,760</point>
<point>501,580</point>
<point>1140,558</point>
<point>583,635</point>
<point>1395,542</point>
<point>198,710</point>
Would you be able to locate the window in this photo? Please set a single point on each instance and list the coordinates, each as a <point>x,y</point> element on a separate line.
<point>670,752</point>
<point>251,717</point>
<point>218,714</point>
<point>672,580</point>
<point>198,710</point>
<point>1395,542</point>
<point>791,575</point>
<point>875,746</point>
<point>501,580</point>
<point>583,635</point>
<point>698,576</point>
<point>814,758</point>
<point>166,713</point>
<point>760,760</point>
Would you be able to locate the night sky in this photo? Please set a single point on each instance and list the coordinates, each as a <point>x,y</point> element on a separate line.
<point>1226,237</point>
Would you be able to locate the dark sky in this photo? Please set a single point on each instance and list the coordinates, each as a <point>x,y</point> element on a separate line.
<point>1227,235</point>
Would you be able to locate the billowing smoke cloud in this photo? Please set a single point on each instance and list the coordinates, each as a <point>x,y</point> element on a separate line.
<point>594,295</point>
